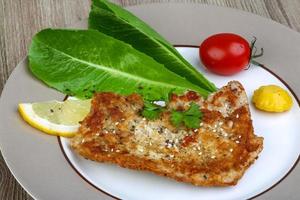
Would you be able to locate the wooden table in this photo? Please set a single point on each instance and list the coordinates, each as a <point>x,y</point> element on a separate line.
<point>20,20</point>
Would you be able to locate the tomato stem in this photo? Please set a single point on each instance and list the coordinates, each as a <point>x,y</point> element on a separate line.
<point>254,49</point>
<point>256,63</point>
<point>258,55</point>
<point>252,44</point>
<point>253,54</point>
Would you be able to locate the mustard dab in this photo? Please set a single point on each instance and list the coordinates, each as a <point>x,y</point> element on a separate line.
<point>272,98</point>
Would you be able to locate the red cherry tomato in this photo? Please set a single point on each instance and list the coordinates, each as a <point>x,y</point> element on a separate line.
<point>225,53</point>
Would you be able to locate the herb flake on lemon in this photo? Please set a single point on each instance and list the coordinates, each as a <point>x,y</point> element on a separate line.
<point>55,117</point>
<point>272,98</point>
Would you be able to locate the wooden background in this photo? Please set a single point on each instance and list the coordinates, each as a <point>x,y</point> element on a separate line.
<point>21,19</point>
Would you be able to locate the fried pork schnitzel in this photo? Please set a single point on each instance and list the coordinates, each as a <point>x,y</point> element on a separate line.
<point>216,154</point>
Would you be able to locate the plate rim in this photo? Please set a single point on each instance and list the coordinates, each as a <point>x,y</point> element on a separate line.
<point>252,197</point>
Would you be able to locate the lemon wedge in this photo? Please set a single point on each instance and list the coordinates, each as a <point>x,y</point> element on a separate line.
<point>55,117</point>
<point>272,98</point>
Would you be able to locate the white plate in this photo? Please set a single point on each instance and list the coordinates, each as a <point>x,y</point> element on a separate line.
<point>281,150</point>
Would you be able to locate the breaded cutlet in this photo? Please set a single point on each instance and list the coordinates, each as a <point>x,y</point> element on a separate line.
<point>216,154</point>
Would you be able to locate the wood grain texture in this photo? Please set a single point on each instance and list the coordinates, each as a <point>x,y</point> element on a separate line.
<point>21,19</point>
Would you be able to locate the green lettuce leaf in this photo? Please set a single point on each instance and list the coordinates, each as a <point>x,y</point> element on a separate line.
<point>81,62</point>
<point>115,21</point>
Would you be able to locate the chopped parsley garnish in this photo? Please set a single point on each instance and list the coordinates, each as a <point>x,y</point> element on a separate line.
<point>151,111</point>
<point>190,118</point>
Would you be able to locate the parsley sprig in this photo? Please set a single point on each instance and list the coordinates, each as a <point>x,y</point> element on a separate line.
<point>151,111</point>
<point>190,118</point>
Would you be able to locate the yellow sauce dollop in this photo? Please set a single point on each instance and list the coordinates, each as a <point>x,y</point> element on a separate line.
<point>272,98</point>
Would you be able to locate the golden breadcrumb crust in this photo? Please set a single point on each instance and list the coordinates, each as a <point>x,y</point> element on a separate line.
<point>216,154</point>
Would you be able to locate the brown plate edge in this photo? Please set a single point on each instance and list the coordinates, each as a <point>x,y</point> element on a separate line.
<point>265,191</point>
